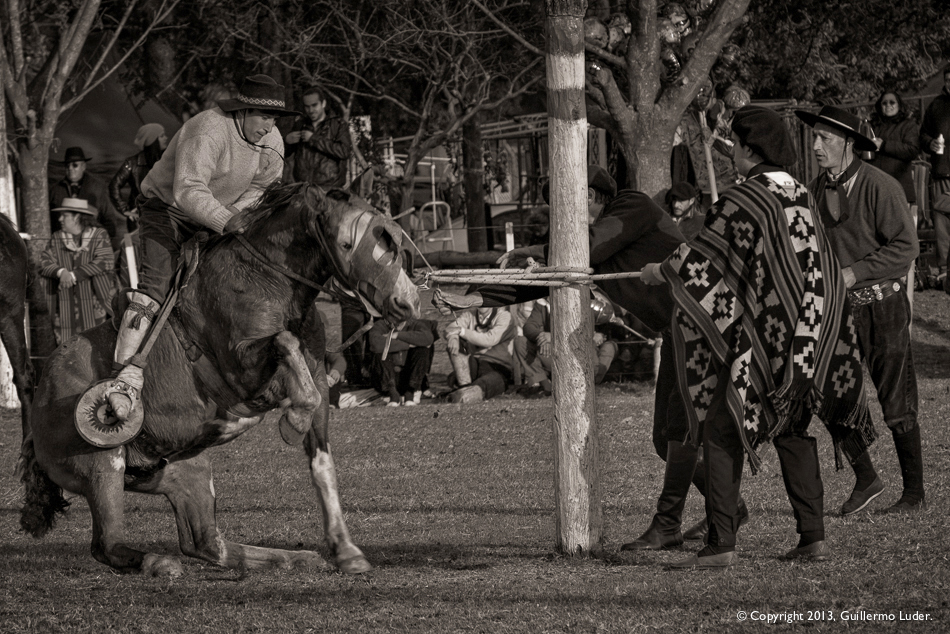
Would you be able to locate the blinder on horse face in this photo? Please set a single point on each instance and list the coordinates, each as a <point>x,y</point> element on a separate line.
<point>371,246</point>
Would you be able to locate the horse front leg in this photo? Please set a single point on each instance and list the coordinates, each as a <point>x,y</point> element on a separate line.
<point>347,556</point>
<point>189,487</point>
<point>303,380</point>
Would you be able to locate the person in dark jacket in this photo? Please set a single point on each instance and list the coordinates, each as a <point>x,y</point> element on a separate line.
<point>896,138</point>
<point>934,134</point>
<point>402,358</point>
<point>683,203</point>
<point>151,141</point>
<point>319,146</point>
<point>78,184</point>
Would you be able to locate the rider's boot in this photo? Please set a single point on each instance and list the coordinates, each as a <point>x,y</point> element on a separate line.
<point>127,387</point>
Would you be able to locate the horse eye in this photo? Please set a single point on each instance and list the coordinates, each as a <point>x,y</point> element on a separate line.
<point>346,246</point>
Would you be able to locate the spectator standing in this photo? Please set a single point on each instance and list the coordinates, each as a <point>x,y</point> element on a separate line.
<point>402,359</point>
<point>479,346</point>
<point>81,185</point>
<point>319,146</point>
<point>934,134</point>
<point>151,141</point>
<point>864,213</point>
<point>77,268</point>
<point>897,141</point>
<point>695,132</point>
<point>683,203</point>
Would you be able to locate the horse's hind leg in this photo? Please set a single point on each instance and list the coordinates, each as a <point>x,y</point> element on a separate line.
<point>189,487</point>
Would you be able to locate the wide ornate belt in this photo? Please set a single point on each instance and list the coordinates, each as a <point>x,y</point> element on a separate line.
<point>876,293</point>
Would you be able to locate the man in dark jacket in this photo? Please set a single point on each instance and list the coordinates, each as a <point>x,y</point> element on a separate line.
<point>78,184</point>
<point>319,147</point>
<point>934,133</point>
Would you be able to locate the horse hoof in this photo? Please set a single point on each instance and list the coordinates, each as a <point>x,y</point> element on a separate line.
<point>355,565</point>
<point>161,566</point>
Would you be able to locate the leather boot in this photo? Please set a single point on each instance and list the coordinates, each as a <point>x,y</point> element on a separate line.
<point>700,529</point>
<point>664,530</point>
<point>912,471</point>
<point>867,485</point>
<point>127,387</point>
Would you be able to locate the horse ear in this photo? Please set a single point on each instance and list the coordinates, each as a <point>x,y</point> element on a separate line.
<point>315,197</point>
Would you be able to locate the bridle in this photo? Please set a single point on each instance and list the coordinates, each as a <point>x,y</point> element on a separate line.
<point>357,300</point>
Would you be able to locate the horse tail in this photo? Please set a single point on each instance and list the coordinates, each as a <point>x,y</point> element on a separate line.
<point>43,498</point>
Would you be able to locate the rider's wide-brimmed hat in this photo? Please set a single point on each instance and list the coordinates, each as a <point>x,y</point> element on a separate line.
<point>842,120</point>
<point>77,206</point>
<point>259,92</point>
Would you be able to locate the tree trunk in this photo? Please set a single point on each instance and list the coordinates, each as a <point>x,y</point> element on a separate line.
<point>33,166</point>
<point>473,177</point>
<point>579,522</point>
<point>652,147</point>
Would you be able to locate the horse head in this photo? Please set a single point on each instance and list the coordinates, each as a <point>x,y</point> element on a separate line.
<point>366,249</point>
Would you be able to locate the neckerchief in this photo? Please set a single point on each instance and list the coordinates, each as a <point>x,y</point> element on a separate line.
<point>833,195</point>
<point>69,240</point>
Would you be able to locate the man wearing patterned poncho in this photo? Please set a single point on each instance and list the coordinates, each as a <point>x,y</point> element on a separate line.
<point>763,340</point>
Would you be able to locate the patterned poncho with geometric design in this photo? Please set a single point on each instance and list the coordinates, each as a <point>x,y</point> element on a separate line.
<point>760,292</point>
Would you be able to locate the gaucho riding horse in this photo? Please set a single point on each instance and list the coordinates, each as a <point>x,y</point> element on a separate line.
<point>244,339</point>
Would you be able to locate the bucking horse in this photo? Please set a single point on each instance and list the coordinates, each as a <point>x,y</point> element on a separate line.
<point>244,339</point>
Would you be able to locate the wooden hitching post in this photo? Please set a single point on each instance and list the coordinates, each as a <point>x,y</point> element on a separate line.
<point>579,521</point>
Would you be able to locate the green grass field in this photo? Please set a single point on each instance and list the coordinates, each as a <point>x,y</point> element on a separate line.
<point>454,506</point>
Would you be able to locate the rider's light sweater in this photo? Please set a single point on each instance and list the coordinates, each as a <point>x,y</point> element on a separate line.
<point>208,167</point>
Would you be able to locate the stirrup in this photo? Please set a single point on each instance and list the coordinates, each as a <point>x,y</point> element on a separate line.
<point>96,421</point>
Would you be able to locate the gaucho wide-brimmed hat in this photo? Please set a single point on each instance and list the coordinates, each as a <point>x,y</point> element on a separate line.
<point>841,120</point>
<point>260,92</point>
<point>77,206</point>
<point>74,154</point>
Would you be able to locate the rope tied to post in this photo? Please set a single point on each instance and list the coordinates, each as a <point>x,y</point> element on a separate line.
<point>555,276</point>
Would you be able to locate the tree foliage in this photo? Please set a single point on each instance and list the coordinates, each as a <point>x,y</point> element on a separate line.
<point>848,50</point>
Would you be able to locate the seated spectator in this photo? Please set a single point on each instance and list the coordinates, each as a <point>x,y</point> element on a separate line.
<point>605,350</point>
<point>683,203</point>
<point>479,346</point>
<point>401,359</point>
<point>535,353</point>
<point>335,365</point>
<point>77,270</point>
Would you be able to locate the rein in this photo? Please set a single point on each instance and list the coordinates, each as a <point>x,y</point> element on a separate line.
<point>340,297</point>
